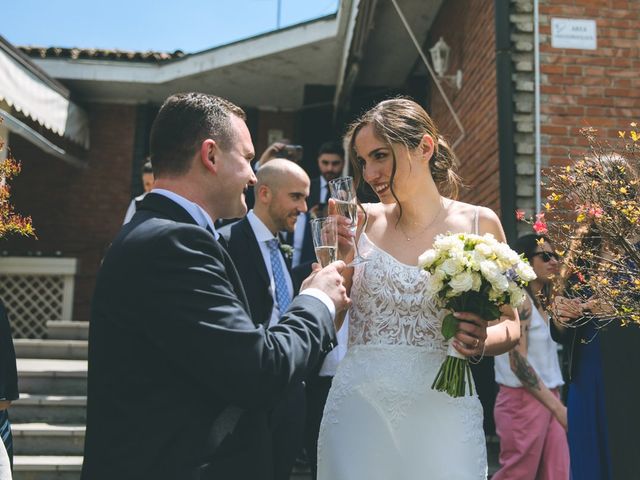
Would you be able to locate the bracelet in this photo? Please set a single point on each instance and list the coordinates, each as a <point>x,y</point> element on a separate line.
<point>473,361</point>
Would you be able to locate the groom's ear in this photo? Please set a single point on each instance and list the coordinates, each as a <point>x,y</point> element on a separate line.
<point>209,155</point>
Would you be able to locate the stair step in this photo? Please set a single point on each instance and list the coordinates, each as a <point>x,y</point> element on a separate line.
<point>46,439</point>
<point>67,330</point>
<point>53,377</point>
<point>63,409</point>
<point>29,467</point>
<point>60,349</point>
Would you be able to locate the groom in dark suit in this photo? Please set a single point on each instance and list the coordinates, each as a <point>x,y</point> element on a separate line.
<point>181,380</point>
<point>254,245</point>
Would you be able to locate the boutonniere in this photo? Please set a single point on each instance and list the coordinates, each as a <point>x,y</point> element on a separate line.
<point>287,250</point>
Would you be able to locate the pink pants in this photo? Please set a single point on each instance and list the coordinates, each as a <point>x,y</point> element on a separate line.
<point>533,444</point>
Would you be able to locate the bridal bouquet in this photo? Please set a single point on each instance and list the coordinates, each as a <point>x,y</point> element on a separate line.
<point>471,273</point>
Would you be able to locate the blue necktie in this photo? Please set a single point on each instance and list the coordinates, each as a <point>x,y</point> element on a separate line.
<point>282,292</point>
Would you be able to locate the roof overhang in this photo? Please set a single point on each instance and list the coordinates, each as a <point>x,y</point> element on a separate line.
<point>268,70</point>
<point>378,51</point>
<point>37,96</point>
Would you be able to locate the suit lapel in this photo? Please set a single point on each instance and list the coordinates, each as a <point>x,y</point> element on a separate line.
<point>234,278</point>
<point>254,250</point>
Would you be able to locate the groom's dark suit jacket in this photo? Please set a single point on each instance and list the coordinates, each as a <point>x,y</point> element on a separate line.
<point>180,377</point>
<point>288,417</point>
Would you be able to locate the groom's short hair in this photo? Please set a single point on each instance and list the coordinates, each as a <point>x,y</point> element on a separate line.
<point>184,121</point>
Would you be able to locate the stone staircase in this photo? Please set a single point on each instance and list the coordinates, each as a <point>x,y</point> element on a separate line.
<point>49,419</point>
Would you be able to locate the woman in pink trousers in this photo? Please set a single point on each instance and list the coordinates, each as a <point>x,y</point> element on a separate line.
<point>531,420</point>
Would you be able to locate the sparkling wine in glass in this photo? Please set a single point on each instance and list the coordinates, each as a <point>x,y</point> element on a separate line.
<point>349,210</point>
<point>324,232</point>
<point>344,194</point>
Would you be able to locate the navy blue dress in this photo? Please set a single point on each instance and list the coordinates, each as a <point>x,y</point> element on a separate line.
<point>588,436</point>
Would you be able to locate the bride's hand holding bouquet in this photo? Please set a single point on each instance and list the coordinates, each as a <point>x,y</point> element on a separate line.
<point>472,276</point>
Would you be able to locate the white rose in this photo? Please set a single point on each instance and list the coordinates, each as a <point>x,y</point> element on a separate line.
<point>505,254</point>
<point>451,266</point>
<point>489,270</point>
<point>427,259</point>
<point>434,284</point>
<point>516,297</point>
<point>448,243</point>
<point>483,249</point>
<point>525,272</point>
<point>462,282</point>
<point>500,283</point>
<point>474,259</point>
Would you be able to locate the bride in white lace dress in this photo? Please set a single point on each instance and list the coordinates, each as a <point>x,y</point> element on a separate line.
<point>382,420</point>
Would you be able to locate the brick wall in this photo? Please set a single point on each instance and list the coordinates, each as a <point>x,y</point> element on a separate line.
<point>77,212</point>
<point>472,43</point>
<point>598,88</point>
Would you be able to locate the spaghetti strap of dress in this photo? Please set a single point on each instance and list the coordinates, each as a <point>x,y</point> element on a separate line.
<point>476,218</point>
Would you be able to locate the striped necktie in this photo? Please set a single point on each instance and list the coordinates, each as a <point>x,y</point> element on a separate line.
<point>282,292</point>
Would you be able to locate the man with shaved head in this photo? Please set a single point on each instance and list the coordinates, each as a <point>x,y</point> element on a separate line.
<point>264,266</point>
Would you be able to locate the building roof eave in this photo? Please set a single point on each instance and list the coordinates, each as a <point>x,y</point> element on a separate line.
<point>29,90</point>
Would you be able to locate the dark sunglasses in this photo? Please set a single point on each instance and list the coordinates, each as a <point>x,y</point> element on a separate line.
<point>547,256</point>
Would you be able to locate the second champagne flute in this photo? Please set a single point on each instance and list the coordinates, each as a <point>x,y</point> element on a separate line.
<point>344,193</point>
<point>324,232</point>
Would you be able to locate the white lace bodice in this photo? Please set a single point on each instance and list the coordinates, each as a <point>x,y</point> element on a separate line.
<point>390,306</point>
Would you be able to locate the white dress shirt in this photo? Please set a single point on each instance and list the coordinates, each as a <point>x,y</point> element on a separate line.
<point>198,213</point>
<point>263,235</point>
<point>131,210</point>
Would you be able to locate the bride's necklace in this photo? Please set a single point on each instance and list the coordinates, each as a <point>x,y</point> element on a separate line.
<point>435,217</point>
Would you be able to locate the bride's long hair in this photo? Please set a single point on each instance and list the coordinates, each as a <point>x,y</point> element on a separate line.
<point>402,121</point>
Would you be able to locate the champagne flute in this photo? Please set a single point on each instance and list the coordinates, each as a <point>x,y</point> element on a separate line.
<point>324,232</point>
<point>344,193</point>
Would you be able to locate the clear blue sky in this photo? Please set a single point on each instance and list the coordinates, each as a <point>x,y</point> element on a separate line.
<point>160,25</point>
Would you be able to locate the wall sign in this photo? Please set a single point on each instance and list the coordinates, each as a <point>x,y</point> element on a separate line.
<point>573,33</point>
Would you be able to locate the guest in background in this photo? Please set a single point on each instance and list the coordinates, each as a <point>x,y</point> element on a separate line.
<point>331,166</point>
<point>8,381</point>
<point>254,245</point>
<point>602,401</point>
<point>530,418</point>
<point>147,185</point>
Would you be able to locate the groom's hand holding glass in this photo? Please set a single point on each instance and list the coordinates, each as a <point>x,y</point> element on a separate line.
<point>330,280</point>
